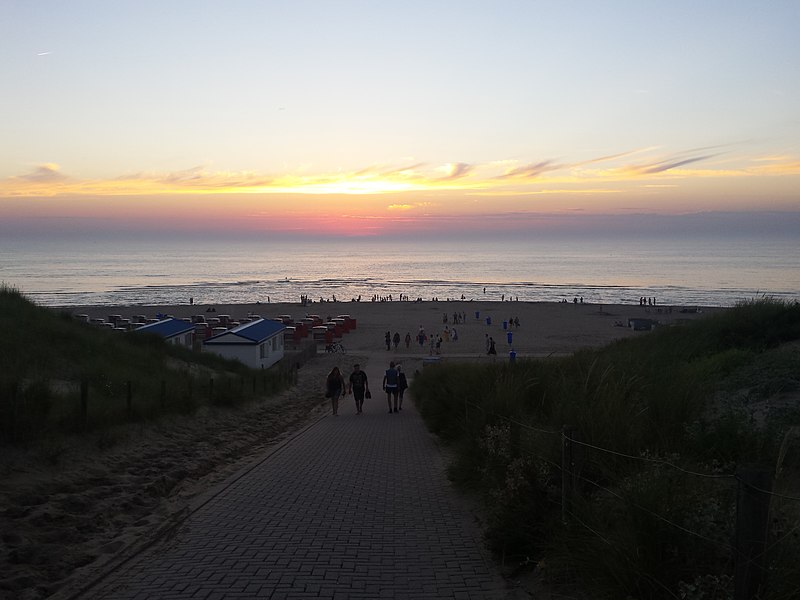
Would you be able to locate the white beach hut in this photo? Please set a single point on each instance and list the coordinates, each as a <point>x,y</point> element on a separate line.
<point>258,344</point>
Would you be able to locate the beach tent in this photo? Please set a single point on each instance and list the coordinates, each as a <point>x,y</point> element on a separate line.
<point>258,344</point>
<point>174,331</point>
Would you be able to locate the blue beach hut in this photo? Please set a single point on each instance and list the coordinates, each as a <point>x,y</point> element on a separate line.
<point>174,331</point>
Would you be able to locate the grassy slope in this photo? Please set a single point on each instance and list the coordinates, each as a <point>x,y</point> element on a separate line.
<point>44,356</point>
<point>693,396</point>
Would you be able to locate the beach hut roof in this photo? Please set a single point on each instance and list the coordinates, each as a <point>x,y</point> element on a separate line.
<point>248,333</point>
<point>167,328</point>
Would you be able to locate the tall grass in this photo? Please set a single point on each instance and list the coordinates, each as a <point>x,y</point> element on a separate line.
<point>46,355</point>
<point>680,400</point>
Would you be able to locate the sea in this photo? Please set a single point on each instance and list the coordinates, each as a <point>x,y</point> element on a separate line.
<point>706,271</point>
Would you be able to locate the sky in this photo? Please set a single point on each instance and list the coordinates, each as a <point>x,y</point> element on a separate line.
<point>365,118</point>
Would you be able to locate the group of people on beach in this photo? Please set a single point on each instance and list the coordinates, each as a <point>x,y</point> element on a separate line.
<point>394,384</point>
<point>448,334</point>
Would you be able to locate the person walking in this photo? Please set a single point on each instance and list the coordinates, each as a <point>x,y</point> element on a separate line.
<point>388,339</point>
<point>334,386</point>
<point>390,380</point>
<point>359,387</point>
<point>492,350</point>
<point>402,385</point>
<point>408,340</point>
<point>396,340</point>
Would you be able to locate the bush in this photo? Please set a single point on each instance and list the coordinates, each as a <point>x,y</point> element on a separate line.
<point>685,397</point>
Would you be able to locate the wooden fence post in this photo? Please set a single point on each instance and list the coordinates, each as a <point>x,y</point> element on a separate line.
<point>12,432</point>
<point>752,514</point>
<point>567,472</point>
<point>84,404</point>
<point>515,437</point>
<point>129,399</point>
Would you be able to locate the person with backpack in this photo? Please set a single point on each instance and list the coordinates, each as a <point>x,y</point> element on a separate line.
<point>359,387</point>
<point>390,383</point>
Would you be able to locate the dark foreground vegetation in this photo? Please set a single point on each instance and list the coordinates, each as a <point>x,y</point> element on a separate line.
<point>623,472</point>
<point>61,376</point>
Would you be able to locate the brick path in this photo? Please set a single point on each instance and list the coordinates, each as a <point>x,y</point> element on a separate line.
<point>354,507</point>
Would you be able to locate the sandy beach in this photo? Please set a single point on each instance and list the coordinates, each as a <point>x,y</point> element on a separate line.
<point>70,507</point>
<point>545,328</point>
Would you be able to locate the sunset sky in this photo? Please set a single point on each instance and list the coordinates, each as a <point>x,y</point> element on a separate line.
<point>359,118</point>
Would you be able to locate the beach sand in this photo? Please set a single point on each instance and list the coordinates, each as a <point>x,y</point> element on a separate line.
<point>70,507</point>
<point>545,327</point>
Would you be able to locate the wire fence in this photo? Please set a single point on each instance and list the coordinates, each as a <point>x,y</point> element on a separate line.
<point>759,522</point>
<point>30,410</point>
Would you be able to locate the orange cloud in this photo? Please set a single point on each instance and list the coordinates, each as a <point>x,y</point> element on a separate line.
<point>601,175</point>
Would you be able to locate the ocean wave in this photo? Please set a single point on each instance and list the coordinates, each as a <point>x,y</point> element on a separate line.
<point>346,289</point>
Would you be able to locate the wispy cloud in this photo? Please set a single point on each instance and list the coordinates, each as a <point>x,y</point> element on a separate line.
<point>46,173</point>
<point>530,171</point>
<point>664,165</point>
<point>456,170</point>
<point>602,174</point>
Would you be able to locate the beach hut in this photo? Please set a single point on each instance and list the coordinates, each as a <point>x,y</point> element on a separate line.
<point>258,344</point>
<point>174,331</point>
<point>350,321</point>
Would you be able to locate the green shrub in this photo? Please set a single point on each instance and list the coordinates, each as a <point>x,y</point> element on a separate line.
<point>686,397</point>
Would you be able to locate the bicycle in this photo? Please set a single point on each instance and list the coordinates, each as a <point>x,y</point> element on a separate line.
<point>335,347</point>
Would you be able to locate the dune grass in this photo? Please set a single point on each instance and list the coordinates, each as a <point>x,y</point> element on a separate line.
<point>47,355</point>
<point>663,421</point>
